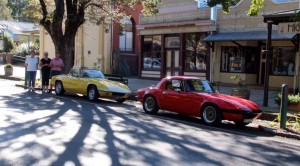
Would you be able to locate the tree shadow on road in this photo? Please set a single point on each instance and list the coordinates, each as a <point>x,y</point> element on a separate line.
<point>51,130</point>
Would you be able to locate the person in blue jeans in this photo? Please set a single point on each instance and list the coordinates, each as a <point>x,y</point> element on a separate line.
<point>31,65</point>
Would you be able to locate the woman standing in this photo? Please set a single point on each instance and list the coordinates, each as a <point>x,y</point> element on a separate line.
<point>45,69</point>
<point>31,65</point>
<point>56,65</point>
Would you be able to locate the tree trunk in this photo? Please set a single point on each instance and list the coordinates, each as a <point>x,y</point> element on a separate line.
<point>64,38</point>
<point>66,49</point>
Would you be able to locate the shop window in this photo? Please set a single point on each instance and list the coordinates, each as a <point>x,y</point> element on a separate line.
<point>195,52</point>
<point>239,59</point>
<point>283,61</point>
<point>126,35</point>
<point>152,52</point>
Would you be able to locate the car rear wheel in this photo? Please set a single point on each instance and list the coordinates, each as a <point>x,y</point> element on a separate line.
<point>120,100</point>
<point>59,88</point>
<point>210,115</point>
<point>150,105</point>
<point>93,94</point>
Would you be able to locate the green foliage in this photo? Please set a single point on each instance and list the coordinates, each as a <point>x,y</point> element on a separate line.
<point>18,8</point>
<point>150,7</point>
<point>7,44</point>
<point>7,66</point>
<point>253,9</point>
<point>255,6</point>
<point>292,99</point>
<point>5,11</point>
<point>240,82</point>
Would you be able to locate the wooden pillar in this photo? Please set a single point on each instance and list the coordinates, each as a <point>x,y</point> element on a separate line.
<point>268,55</point>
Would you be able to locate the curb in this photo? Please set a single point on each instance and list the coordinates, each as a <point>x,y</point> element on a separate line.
<point>281,133</point>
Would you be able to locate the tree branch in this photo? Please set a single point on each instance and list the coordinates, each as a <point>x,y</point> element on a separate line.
<point>44,9</point>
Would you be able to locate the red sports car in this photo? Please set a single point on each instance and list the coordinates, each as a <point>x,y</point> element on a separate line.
<point>196,97</point>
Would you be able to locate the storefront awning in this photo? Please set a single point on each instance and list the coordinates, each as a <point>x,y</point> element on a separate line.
<point>247,36</point>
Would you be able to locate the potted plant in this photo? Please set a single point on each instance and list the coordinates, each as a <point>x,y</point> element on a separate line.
<point>242,89</point>
<point>8,69</point>
<point>293,101</point>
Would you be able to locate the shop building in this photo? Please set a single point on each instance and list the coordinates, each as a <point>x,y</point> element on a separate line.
<point>171,43</point>
<point>240,41</point>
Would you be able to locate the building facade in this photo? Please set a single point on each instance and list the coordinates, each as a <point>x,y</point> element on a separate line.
<point>126,43</point>
<point>171,43</point>
<point>239,45</point>
<point>92,46</point>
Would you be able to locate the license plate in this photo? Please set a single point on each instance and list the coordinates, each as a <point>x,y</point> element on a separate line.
<point>248,120</point>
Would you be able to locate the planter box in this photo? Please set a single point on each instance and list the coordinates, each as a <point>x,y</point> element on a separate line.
<point>294,107</point>
<point>245,94</point>
<point>8,71</point>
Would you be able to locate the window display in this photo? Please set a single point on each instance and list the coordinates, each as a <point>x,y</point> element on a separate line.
<point>196,52</point>
<point>283,61</point>
<point>152,52</point>
<point>239,59</point>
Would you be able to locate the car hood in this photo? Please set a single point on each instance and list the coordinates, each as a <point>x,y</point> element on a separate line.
<point>232,102</point>
<point>112,86</point>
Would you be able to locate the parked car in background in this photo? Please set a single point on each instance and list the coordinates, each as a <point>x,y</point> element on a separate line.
<point>152,63</point>
<point>91,83</point>
<point>196,97</point>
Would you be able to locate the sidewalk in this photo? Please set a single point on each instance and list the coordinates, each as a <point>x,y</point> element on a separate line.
<point>257,93</point>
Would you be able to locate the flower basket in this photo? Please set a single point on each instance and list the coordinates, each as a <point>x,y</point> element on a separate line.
<point>242,93</point>
<point>293,101</point>
<point>241,90</point>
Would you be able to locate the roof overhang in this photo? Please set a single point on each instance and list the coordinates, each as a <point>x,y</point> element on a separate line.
<point>284,16</point>
<point>247,36</point>
<point>174,24</point>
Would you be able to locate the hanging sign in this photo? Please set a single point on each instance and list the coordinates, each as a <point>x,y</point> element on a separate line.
<point>289,27</point>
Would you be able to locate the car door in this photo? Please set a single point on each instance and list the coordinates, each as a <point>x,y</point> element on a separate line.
<point>70,83</point>
<point>174,96</point>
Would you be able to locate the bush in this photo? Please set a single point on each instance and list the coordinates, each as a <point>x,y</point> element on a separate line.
<point>292,99</point>
<point>8,66</point>
<point>7,44</point>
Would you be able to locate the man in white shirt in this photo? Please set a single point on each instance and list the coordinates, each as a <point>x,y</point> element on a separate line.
<point>31,65</point>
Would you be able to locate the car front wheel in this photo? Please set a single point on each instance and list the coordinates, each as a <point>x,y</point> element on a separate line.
<point>93,94</point>
<point>211,116</point>
<point>59,88</point>
<point>150,105</point>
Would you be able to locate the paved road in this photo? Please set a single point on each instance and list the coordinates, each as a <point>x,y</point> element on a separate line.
<point>46,129</point>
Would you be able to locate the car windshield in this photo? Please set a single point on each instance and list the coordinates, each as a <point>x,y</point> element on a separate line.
<point>92,74</point>
<point>197,85</point>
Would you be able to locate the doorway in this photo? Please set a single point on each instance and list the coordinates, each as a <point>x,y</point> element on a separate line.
<point>172,62</point>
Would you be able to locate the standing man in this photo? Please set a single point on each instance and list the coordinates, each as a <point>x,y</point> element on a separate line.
<point>56,65</point>
<point>31,65</point>
<point>45,68</point>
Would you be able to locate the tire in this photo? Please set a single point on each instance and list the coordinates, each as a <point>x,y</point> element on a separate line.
<point>240,124</point>
<point>59,88</point>
<point>150,105</point>
<point>92,93</point>
<point>120,100</point>
<point>210,115</point>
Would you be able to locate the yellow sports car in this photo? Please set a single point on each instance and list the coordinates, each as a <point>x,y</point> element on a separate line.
<point>91,83</point>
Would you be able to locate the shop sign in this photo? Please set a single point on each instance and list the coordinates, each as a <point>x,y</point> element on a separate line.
<point>290,27</point>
